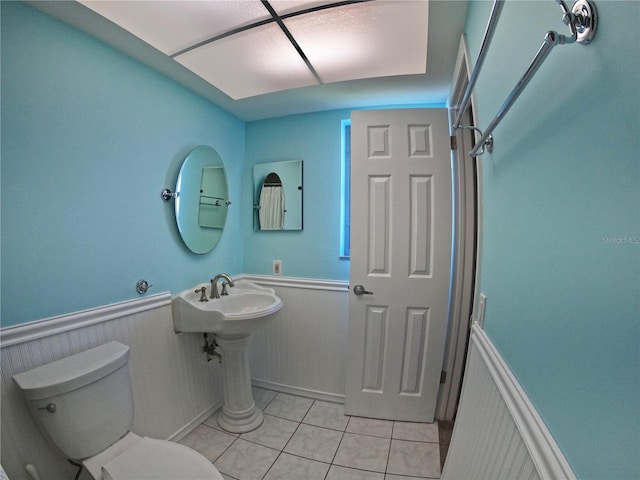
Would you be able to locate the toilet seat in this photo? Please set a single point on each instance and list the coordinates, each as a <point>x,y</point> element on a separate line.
<point>151,459</point>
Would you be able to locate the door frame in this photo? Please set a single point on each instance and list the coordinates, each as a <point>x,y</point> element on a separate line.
<point>466,241</point>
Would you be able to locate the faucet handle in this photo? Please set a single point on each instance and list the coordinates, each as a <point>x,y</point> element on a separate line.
<point>224,289</point>
<point>203,294</point>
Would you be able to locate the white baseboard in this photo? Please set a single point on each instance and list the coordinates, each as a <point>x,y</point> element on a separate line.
<point>187,429</point>
<point>301,392</point>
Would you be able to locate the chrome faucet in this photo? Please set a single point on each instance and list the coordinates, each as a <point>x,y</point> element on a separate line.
<point>214,285</point>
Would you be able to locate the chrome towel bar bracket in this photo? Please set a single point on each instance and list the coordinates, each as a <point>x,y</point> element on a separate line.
<point>486,144</point>
<point>581,19</point>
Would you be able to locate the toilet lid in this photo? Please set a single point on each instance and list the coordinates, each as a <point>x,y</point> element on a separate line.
<point>151,459</point>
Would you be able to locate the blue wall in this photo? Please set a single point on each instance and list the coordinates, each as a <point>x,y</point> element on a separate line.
<point>560,259</point>
<point>89,139</point>
<point>316,139</point>
<point>314,251</point>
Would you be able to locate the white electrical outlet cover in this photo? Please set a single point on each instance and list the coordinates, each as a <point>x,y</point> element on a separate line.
<point>277,267</point>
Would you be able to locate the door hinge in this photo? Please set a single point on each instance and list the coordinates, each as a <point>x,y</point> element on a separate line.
<point>454,142</point>
<point>443,377</point>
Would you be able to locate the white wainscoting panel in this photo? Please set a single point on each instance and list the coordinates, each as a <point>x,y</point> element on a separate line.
<point>303,350</point>
<point>498,434</point>
<point>175,388</point>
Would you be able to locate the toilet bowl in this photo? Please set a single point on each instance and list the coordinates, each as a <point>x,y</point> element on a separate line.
<point>136,458</point>
<point>84,405</point>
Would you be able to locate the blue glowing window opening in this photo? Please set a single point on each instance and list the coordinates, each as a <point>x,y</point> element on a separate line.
<point>345,201</point>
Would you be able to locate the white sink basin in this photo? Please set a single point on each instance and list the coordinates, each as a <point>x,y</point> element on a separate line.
<point>246,308</point>
<point>231,318</point>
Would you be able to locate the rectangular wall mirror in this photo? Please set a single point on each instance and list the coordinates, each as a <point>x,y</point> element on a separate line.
<point>277,197</point>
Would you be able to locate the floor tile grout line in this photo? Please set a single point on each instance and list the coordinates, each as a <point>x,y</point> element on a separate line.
<point>225,450</point>
<point>291,437</point>
<point>340,442</point>
<point>297,455</point>
<point>282,451</point>
<point>269,402</point>
<point>308,410</point>
<point>333,459</point>
<point>386,465</point>
<point>285,418</point>
<point>271,466</point>
<point>286,443</point>
<point>414,441</point>
<point>372,436</point>
<point>254,442</point>
<point>236,437</point>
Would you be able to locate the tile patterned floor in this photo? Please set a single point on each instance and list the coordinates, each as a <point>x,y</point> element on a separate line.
<point>303,439</point>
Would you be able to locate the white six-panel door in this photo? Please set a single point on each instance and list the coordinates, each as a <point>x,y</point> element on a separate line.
<point>401,208</point>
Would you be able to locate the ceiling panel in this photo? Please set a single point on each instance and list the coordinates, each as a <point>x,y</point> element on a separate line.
<point>283,7</point>
<point>171,26</point>
<point>341,43</point>
<point>364,40</point>
<point>446,17</point>
<point>252,62</point>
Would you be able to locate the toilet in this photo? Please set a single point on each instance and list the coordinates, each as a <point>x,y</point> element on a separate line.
<point>84,405</point>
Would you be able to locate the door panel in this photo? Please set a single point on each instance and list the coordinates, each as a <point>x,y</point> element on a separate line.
<point>379,235</point>
<point>401,252</point>
<point>421,243</point>
<point>374,351</point>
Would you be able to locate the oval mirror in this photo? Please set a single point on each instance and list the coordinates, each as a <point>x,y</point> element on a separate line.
<point>202,199</point>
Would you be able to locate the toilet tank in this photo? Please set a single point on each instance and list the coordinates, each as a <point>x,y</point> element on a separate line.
<point>83,403</point>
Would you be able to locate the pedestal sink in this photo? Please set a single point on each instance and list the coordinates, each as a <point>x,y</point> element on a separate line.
<point>231,318</point>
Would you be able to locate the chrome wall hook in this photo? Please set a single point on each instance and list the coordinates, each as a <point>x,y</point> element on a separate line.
<point>142,286</point>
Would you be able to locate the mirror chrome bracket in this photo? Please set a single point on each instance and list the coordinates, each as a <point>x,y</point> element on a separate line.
<point>167,194</point>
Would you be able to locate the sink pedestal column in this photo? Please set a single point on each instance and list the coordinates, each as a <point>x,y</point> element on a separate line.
<point>239,413</point>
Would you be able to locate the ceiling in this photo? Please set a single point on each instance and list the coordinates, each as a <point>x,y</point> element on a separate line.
<point>260,59</point>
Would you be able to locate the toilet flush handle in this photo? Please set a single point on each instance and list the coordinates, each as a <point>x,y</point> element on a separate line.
<point>51,408</point>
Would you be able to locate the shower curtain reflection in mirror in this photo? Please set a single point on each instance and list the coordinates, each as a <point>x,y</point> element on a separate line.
<point>272,203</point>
<point>278,195</point>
